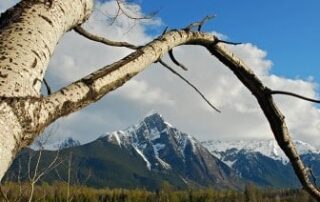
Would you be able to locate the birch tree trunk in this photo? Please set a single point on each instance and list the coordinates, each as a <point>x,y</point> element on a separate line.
<point>29,33</point>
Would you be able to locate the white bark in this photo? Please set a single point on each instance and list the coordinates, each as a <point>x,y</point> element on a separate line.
<point>9,133</point>
<point>29,33</point>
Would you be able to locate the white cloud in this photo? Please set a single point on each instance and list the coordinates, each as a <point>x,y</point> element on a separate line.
<point>140,91</point>
<point>158,89</point>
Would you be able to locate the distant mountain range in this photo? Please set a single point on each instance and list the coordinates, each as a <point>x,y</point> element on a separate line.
<point>144,155</point>
<point>153,151</point>
<point>262,161</point>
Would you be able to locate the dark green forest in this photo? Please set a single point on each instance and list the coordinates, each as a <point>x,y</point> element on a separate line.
<point>64,192</point>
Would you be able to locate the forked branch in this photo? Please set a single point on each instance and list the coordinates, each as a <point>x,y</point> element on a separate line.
<point>199,24</point>
<point>94,86</point>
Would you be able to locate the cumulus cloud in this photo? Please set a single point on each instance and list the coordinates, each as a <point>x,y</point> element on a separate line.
<point>156,89</point>
<point>138,90</point>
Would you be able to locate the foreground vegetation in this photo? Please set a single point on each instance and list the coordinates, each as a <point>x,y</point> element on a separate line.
<point>63,192</point>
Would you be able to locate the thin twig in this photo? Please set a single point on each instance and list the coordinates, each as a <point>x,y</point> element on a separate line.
<point>204,20</point>
<point>175,61</point>
<point>165,31</point>
<point>116,16</point>
<point>189,83</point>
<point>189,28</point>
<point>120,8</point>
<point>273,92</point>
<point>47,86</point>
<point>228,42</point>
<point>103,40</point>
<point>200,23</point>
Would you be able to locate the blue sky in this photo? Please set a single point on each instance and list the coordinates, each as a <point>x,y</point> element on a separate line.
<point>288,30</point>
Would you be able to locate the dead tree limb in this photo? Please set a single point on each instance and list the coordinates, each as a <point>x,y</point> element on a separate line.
<point>279,92</point>
<point>273,114</point>
<point>49,91</point>
<point>175,61</point>
<point>103,40</point>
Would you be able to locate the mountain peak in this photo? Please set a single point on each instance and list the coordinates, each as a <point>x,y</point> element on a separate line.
<point>154,115</point>
<point>155,121</point>
<point>165,149</point>
<point>69,142</point>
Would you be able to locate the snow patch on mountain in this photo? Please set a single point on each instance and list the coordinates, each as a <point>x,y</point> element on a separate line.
<point>269,148</point>
<point>148,164</point>
<point>144,135</point>
<point>150,136</point>
<point>56,145</point>
<point>114,137</point>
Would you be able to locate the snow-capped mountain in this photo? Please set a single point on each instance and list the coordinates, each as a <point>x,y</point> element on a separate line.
<point>269,148</point>
<point>166,149</point>
<point>57,145</point>
<point>262,161</point>
<point>153,151</point>
<point>69,142</point>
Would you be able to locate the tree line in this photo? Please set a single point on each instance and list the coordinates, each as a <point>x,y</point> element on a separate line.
<point>58,192</point>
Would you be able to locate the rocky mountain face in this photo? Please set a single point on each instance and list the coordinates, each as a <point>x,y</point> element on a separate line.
<point>144,155</point>
<point>262,161</point>
<point>166,149</point>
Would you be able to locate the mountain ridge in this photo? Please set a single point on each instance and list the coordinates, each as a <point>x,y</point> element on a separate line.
<point>263,162</point>
<point>146,154</point>
<point>268,147</point>
<point>164,147</point>
<point>152,151</point>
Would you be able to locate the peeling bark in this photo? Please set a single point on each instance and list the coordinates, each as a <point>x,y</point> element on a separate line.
<point>29,33</point>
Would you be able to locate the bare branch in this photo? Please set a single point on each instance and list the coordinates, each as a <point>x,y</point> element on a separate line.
<point>271,111</point>
<point>47,86</point>
<point>54,163</point>
<point>103,40</point>
<point>199,24</point>
<point>120,8</point>
<point>35,174</point>
<point>116,16</point>
<point>189,83</point>
<point>274,92</point>
<point>175,61</point>
<point>228,42</point>
<point>164,31</point>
